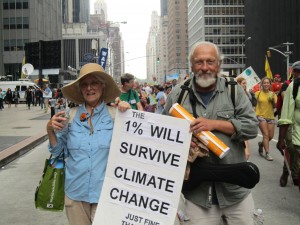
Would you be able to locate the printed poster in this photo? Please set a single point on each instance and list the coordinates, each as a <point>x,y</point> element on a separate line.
<point>145,170</point>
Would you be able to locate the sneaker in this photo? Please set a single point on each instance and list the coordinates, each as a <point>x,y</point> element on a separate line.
<point>268,157</point>
<point>260,148</point>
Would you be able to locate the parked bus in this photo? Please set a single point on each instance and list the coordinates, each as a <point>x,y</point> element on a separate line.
<point>21,86</point>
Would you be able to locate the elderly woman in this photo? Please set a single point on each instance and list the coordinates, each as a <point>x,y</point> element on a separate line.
<point>85,140</point>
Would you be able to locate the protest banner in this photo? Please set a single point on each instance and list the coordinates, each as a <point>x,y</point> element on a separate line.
<point>250,76</point>
<point>145,170</point>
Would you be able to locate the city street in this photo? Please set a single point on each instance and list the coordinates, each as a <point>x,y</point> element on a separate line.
<point>19,179</point>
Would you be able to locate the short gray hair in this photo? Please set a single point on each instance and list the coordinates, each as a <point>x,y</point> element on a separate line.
<point>219,54</point>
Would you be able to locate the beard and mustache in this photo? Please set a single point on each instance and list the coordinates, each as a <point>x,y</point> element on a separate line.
<point>205,80</point>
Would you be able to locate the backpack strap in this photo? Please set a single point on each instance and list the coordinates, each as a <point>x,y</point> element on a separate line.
<point>187,90</point>
<point>72,113</point>
<point>112,112</point>
<point>296,87</point>
<point>231,83</point>
<point>184,91</point>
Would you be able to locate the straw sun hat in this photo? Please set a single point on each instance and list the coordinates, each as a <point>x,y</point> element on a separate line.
<point>110,92</point>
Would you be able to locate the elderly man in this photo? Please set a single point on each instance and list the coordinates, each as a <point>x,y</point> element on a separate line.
<point>209,202</point>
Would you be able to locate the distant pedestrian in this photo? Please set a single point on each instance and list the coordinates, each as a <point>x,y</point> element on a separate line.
<point>277,84</point>
<point>160,98</point>
<point>128,94</point>
<point>52,102</point>
<point>37,97</point>
<point>28,95</point>
<point>9,97</point>
<point>174,83</point>
<point>242,81</point>
<point>47,94</point>
<point>16,96</point>
<point>41,94</point>
<point>1,99</point>
<point>33,96</point>
<point>266,102</point>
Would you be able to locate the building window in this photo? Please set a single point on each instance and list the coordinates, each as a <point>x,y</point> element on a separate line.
<point>16,23</point>
<point>14,44</point>
<point>13,69</point>
<point>15,4</point>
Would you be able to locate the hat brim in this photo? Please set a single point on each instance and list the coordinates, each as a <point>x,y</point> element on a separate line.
<point>111,91</point>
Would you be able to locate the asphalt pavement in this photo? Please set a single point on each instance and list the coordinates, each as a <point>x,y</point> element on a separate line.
<point>25,129</point>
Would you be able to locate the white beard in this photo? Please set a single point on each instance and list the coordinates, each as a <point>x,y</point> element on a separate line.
<point>204,83</point>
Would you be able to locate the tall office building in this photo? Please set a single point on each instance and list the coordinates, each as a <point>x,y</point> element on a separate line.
<point>163,8</point>
<point>22,22</point>
<point>223,23</point>
<point>82,46</point>
<point>151,47</point>
<point>75,11</point>
<point>162,50</point>
<point>272,23</point>
<point>100,8</point>
<point>177,37</point>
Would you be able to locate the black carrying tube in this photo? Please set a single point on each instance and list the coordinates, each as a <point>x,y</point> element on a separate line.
<point>245,174</point>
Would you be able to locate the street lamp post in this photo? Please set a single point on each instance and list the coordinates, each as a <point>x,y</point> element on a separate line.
<point>243,56</point>
<point>286,54</point>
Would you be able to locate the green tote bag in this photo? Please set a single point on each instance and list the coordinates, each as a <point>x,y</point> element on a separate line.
<point>50,192</point>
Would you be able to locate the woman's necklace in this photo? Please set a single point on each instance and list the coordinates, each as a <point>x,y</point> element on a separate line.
<point>90,119</point>
<point>91,125</point>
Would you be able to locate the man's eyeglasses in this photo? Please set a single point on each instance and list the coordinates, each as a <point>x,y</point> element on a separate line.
<point>209,62</point>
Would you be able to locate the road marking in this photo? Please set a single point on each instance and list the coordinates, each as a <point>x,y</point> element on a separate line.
<point>271,140</point>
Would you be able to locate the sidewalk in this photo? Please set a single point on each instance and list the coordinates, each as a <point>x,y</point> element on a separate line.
<point>21,130</point>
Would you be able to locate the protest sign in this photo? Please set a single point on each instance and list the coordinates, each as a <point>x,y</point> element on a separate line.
<point>250,76</point>
<point>145,170</point>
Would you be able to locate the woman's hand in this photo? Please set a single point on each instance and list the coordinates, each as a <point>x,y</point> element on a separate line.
<point>57,122</point>
<point>121,105</point>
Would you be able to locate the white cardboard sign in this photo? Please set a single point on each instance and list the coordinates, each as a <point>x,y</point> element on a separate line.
<point>145,170</point>
<point>250,76</point>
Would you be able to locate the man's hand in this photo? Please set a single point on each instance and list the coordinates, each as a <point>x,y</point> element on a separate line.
<point>202,124</point>
<point>281,146</point>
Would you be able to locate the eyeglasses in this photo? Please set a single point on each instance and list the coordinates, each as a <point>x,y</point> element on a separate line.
<point>93,84</point>
<point>209,62</point>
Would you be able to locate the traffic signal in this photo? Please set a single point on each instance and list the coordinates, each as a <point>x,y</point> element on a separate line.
<point>157,60</point>
<point>32,53</point>
<point>51,54</point>
<point>269,53</point>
